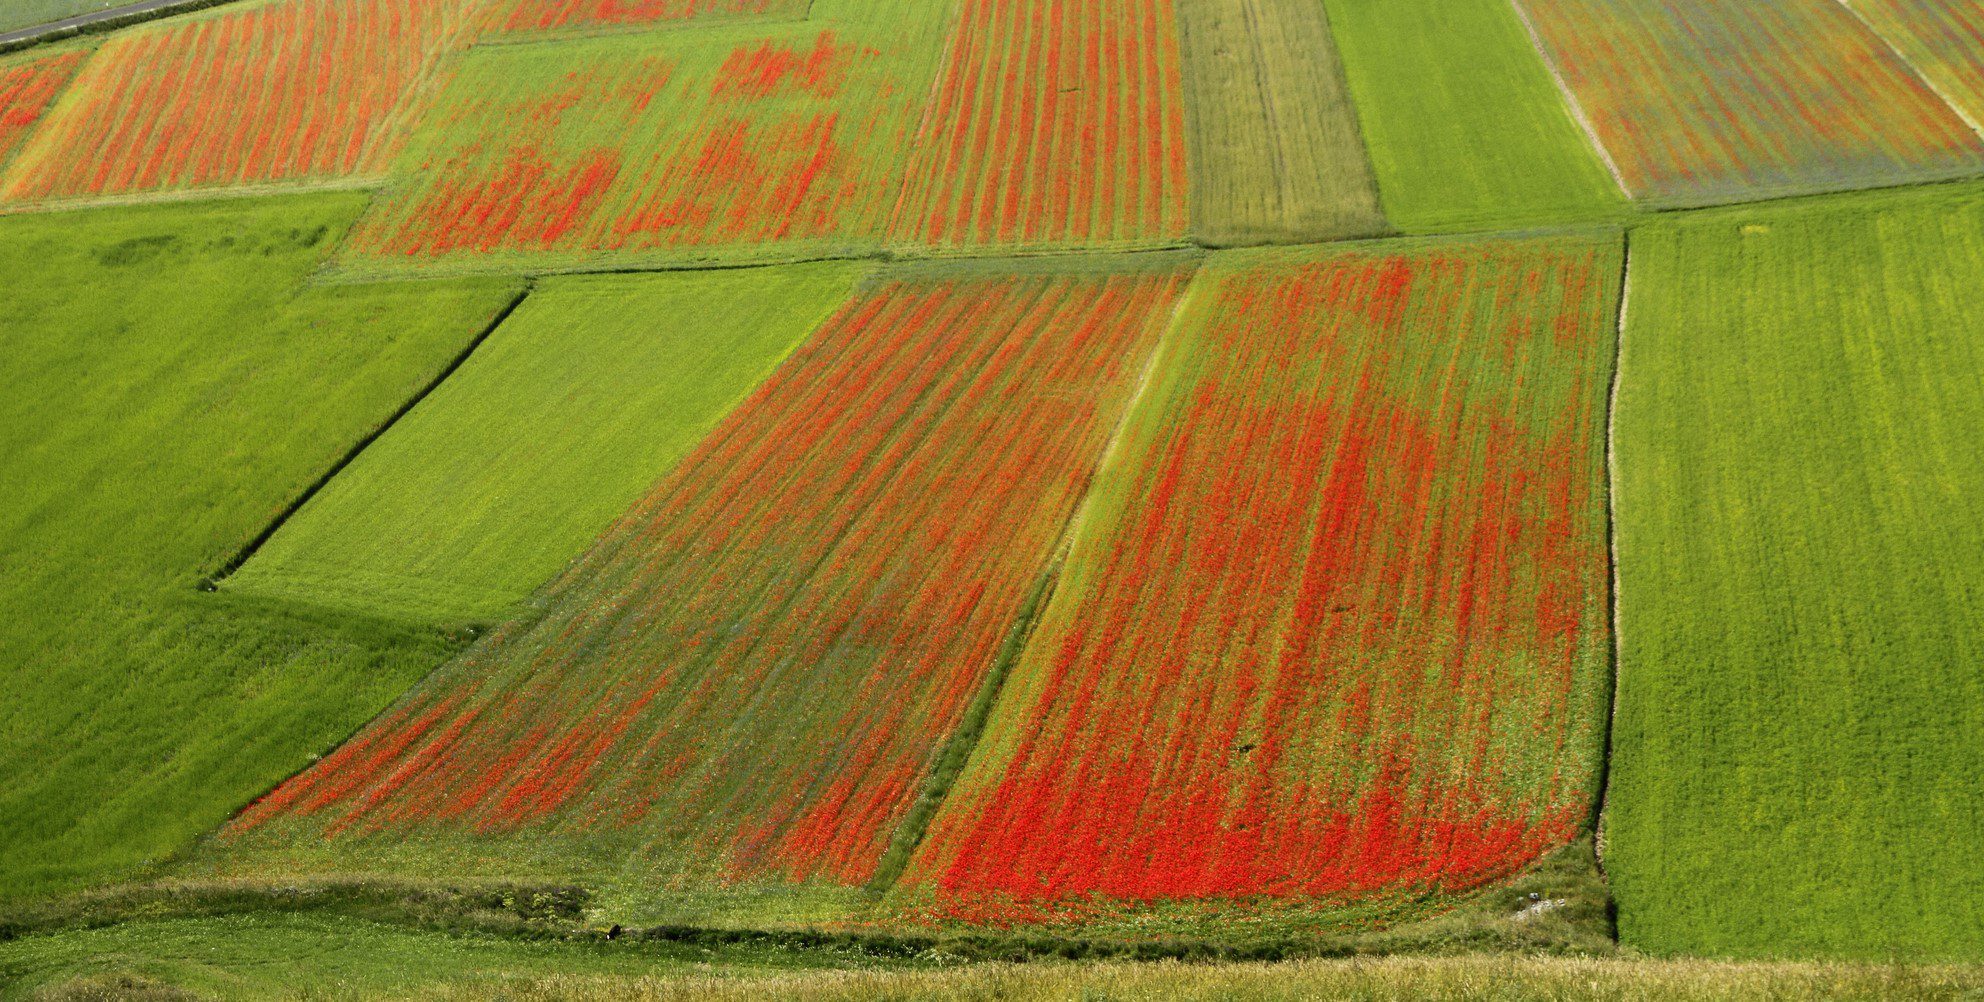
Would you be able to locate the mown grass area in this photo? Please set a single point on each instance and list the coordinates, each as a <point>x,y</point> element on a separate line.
<point>1275,151</point>
<point>584,398</point>
<point>28,13</point>
<point>1466,128</point>
<point>312,956</point>
<point>1801,560</point>
<point>171,385</point>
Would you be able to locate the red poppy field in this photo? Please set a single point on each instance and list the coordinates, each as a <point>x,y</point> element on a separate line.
<point>1337,624</point>
<point>1053,121</point>
<point>289,91</point>
<point>26,89</point>
<point>1817,101</point>
<point>747,677</point>
<point>513,16</point>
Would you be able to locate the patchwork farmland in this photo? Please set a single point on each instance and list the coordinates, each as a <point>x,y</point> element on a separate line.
<point>592,488</point>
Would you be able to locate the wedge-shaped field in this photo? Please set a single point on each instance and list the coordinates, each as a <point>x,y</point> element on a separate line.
<point>27,86</point>
<point>748,141</point>
<point>1335,626</point>
<point>284,91</point>
<point>1052,122</point>
<point>1801,555</point>
<point>1700,101</point>
<point>1467,129</point>
<point>747,679</point>
<point>1943,41</point>
<point>510,16</point>
<point>171,385</point>
<point>580,402</point>
<point>1275,152</point>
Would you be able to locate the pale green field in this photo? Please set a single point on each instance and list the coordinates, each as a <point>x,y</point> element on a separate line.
<point>584,397</point>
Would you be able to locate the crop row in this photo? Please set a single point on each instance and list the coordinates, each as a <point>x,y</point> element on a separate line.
<point>26,89</point>
<point>1053,121</point>
<point>293,90</point>
<point>547,15</point>
<point>1812,99</point>
<point>628,145</point>
<point>750,674</point>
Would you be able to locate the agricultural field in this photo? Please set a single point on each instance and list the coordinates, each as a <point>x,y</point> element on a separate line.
<point>286,91</point>
<point>1816,101</point>
<point>744,682</point>
<point>526,16</point>
<point>1466,128</point>
<point>1942,41</point>
<point>170,388</point>
<point>1275,155</point>
<point>1052,123</point>
<point>584,398</point>
<point>28,13</point>
<point>563,498</point>
<point>1334,626</point>
<point>745,142</point>
<point>1796,766</point>
<point>28,84</point>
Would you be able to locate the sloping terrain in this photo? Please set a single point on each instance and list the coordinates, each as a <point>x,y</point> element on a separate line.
<point>1802,667</point>
<point>925,528</point>
<point>171,386</point>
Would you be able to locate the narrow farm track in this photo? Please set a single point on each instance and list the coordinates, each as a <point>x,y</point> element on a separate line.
<point>70,25</point>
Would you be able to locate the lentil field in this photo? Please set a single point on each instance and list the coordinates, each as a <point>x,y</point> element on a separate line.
<point>284,91</point>
<point>856,544</point>
<point>901,484</point>
<point>1816,101</point>
<point>1336,623</point>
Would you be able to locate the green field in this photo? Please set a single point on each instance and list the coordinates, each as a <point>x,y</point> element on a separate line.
<point>28,13</point>
<point>1275,152</point>
<point>291,956</point>
<point>171,386</point>
<point>1467,130</point>
<point>584,397</point>
<point>1801,559</point>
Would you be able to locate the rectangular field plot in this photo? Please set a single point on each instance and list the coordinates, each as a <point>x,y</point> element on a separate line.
<point>1334,626</point>
<point>531,16</point>
<point>285,91</point>
<point>1944,41</point>
<point>1801,557</point>
<point>1700,102</point>
<point>750,141</point>
<point>1053,122</point>
<point>1275,154</point>
<point>27,86</point>
<point>580,402</point>
<point>747,678</point>
<point>171,383</point>
<point>1466,128</point>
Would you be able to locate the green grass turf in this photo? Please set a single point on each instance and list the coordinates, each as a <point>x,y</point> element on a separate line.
<point>1275,152</point>
<point>313,956</point>
<point>28,13</point>
<point>564,417</point>
<point>1466,128</point>
<point>171,385</point>
<point>1801,563</point>
<point>282,956</point>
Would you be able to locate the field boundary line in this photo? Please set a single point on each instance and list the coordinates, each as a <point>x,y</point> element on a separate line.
<point>957,751</point>
<point>101,21</point>
<point>1570,98</point>
<point>1612,548</point>
<point>243,555</point>
<point>1926,79</point>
